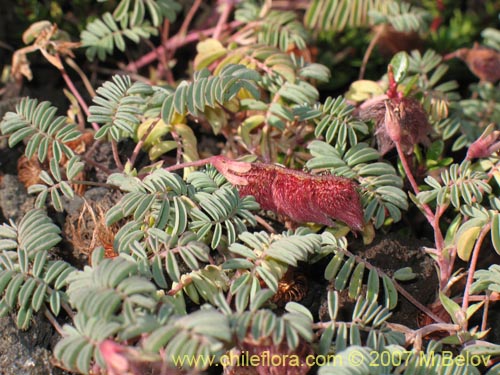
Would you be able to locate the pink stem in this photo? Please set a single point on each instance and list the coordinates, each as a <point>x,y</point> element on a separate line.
<point>174,43</point>
<point>196,163</point>
<point>116,155</point>
<point>442,260</point>
<point>139,144</point>
<point>189,17</point>
<point>77,95</point>
<point>228,7</point>
<point>472,266</point>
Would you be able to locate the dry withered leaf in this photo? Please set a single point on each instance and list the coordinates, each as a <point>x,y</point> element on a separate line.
<point>89,230</point>
<point>49,40</point>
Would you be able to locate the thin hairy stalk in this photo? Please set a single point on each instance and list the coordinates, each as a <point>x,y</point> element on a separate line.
<point>75,92</point>
<point>369,50</point>
<point>472,266</point>
<point>68,309</point>
<point>196,163</point>
<point>116,155</point>
<point>83,76</point>
<point>54,322</point>
<point>177,288</point>
<point>417,336</point>
<point>166,55</point>
<point>94,183</point>
<point>96,164</point>
<point>189,17</point>
<point>139,144</point>
<point>442,260</point>
<point>427,211</point>
<point>264,224</point>
<point>484,319</point>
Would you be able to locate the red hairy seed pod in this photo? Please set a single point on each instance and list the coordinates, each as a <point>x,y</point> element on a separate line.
<point>300,196</point>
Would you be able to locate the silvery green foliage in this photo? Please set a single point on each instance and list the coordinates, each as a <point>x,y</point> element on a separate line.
<point>128,20</point>
<point>276,28</point>
<point>210,91</point>
<point>333,15</point>
<point>118,106</point>
<point>192,277</point>
<point>30,281</point>
<point>172,220</point>
<point>36,123</point>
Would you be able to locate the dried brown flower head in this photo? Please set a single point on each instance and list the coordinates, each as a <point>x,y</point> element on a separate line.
<point>28,170</point>
<point>292,287</point>
<point>396,118</point>
<point>483,62</point>
<point>89,230</point>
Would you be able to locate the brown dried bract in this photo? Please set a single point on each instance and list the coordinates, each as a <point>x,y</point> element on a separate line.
<point>28,170</point>
<point>292,287</point>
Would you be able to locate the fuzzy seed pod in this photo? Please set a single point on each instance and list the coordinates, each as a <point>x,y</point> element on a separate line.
<point>300,196</point>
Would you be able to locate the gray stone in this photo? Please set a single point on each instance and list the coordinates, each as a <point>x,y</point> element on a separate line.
<point>14,199</point>
<point>27,352</point>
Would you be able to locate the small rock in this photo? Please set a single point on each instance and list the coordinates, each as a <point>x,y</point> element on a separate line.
<point>14,199</point>
<point>26,352</point>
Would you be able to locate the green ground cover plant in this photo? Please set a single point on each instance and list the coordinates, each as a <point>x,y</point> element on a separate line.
<point>249,146</point>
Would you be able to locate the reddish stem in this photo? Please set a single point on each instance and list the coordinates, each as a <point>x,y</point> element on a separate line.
<point>77,95</point>
<point>174,43</point>
<point>228,7</point>
<point>472,266</point>
<point>54,322</point>
<point>369,50</point>
<point>189,17</point>
<point>196,163</point>
<point>116,155</point>
<point>442,260</point>
<point>139,144</point>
